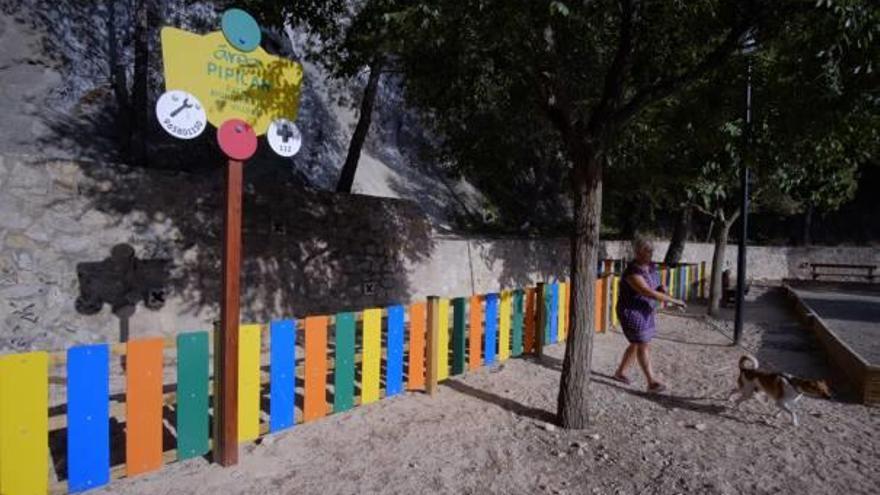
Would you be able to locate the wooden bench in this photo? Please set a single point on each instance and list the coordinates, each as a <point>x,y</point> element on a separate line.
<point>861,271</point>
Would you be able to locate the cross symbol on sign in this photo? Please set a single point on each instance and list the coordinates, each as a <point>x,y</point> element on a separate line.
<point>285,132</point>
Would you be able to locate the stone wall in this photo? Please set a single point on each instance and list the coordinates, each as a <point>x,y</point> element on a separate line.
<point>767,263</point>
<point>94,252</point>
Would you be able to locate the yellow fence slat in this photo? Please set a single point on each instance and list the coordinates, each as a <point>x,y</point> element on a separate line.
<point>24,424</point>
<point>248,382</point>
<point>443,344</point>
<point>504,319</point>
<point>562,314</point>
<point>372,355</point>
<point>615,293</point>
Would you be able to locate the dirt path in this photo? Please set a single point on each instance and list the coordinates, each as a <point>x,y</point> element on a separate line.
<point>488,432</point>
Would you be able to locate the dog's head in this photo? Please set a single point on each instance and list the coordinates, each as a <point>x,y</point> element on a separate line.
<point>818,388</point>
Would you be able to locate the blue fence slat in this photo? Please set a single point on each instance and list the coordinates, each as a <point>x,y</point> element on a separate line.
<point>88,417</point>
<point>682,284</point>
<point>553,320</point>
<point>394,363</point>
<point>282,374</point>
<point>490,335</point>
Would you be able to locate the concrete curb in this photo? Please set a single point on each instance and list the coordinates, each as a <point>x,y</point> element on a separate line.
<point>847,363</point>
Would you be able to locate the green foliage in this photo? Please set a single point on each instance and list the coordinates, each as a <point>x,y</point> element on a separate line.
<point>518,91</point>
<point>815,119</point>
<point>343,35</point>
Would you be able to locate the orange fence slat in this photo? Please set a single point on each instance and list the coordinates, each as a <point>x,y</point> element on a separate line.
<point>143,440</point>
<point>417,322</point>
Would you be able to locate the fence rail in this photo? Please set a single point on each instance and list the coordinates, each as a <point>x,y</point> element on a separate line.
<point>291,371</point>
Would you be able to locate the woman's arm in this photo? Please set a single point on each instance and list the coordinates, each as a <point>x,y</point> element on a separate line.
<point>638,283</point>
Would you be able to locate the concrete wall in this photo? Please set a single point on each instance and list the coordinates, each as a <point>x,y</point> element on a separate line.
<point>92,252</point>
<point>769,263</point>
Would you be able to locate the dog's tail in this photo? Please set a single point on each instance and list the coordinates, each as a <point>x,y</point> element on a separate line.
<point>750,360</point>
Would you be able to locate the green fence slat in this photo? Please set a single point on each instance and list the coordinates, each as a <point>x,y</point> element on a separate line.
<point>517,325</point>
<point>459,315</point>
<point>343,384</point>
<point>192,395</point>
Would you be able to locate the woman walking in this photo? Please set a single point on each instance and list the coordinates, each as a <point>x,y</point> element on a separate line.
<point>639,290</point>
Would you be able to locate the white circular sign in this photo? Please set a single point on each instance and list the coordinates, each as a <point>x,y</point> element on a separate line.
<point>284,137</point>
<point>181,114</point>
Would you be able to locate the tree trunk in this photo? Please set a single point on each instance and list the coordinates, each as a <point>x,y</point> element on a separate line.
<point>574,389</point>
<point>346,177</point>
<point>679,237</point>
<point>140,83</point>
<point>808,225</point>
<point>715,289</point>
<point>722,232</point>
<point>119,82</point>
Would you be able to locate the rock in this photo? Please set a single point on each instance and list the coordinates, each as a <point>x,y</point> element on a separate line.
<point>594,436</point>
<point>37,232</point>
<point>16,221</point>
<point>577,445</point>
<point>561,455</point>
<point>549,427</point>
<point>72,244</point>
<point>700,427</point>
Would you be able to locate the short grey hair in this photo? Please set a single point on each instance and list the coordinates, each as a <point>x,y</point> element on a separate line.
<point>640,243</point>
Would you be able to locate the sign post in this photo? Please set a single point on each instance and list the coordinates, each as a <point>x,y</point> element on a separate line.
<point>226,354</point>
<point>228,80</point>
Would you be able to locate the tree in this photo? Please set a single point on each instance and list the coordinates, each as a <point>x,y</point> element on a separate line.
<point>145,22</point>
<point>815,122</point>
<point>588,70</point>
<point>680,234</point>
<point>349,38</point>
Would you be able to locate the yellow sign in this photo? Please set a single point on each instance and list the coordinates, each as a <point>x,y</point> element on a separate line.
<point>254,86</point>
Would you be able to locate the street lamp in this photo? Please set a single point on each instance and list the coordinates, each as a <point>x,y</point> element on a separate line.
<point>748,47</point>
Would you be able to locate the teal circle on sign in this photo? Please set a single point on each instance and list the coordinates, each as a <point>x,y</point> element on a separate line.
<point>241,30</point>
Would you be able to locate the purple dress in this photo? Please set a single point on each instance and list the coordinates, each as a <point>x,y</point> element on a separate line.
<point>635,311</point>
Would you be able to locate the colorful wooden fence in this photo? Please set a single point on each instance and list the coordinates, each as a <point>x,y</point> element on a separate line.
<point>274,359</point>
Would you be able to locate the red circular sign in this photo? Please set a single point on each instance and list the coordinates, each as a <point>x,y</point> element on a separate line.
<point>237,139</point>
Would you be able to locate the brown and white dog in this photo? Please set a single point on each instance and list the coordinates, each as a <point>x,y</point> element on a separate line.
<point>785,389</point>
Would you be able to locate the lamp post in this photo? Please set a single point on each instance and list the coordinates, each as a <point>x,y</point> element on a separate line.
<point>749,47</point>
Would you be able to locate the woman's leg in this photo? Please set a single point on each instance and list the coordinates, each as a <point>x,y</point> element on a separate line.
<point>628,356</point>
<point>643,354</point>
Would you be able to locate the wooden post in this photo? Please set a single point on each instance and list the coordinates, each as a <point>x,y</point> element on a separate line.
<point>702,280</point>
<point>226,353</point>
<point>540,318</point>
<point>433,334</point>
<point>609,267</point>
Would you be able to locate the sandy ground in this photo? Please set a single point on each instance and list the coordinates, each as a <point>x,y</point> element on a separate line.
<point>488,432</point>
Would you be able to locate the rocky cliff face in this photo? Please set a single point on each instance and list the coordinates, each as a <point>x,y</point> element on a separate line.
<point>66,70</point>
